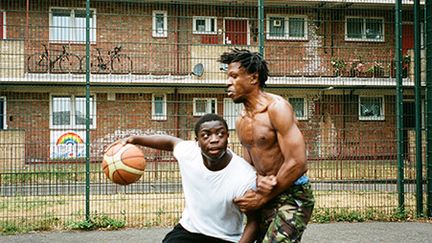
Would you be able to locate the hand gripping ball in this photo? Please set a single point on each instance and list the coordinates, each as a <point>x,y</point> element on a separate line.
<point>124,164</point>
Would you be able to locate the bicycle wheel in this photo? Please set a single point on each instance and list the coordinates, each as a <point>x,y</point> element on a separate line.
<point>97,65</point>
<point>121,64</point>
<point>70,63</point>
<point>37,63</point>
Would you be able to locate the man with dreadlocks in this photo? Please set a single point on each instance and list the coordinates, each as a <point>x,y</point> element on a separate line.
<point>273,144</point>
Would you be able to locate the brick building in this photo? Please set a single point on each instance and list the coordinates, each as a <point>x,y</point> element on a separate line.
<point>331,59</point>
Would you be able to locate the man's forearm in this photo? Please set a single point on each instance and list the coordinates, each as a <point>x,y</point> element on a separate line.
<point>251,229</point>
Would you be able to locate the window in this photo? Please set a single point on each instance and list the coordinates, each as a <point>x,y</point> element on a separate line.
<point>202,106</point>
<point>159,107</point>
<point>70,112</point>
<point>299,107</point>
<point>69,25</point>
<point>231,111</point>
<point>364,29</point>
<point>2,24</point>
<point>286,27</point>
<point>204,25</point>
<point>371,108</point>
<point>160,25</point>
<point>3,113</point>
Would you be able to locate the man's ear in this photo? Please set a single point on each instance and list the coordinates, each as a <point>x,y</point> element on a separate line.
<point>254,78</point>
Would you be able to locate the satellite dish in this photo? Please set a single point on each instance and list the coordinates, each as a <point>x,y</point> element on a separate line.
<point>198,70</point>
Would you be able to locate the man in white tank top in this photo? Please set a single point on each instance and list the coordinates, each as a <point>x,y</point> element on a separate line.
<point>212,176</point>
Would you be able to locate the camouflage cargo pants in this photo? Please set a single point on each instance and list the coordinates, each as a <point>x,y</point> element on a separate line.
<point>284,218</point>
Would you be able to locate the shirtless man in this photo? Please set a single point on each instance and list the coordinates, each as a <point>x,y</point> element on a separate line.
<point>274,145</point>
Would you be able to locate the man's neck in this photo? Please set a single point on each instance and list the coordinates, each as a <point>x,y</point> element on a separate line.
<point>216,164</point>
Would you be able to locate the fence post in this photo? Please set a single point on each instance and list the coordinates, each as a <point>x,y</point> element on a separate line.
<point>428,42</point>
<point>399,104</point>
<point>417,90</point>
<point>261,26</point>
<point>87,195</point>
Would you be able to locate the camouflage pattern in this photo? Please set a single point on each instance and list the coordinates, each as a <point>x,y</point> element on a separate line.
<point>285,217</point>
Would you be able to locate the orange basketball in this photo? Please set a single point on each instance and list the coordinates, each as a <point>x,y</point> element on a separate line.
<point>124,164</point>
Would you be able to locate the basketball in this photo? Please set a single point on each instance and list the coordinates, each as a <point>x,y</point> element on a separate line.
<point>124,165</point>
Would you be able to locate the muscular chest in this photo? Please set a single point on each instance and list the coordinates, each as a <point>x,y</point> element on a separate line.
<point>256,131</point>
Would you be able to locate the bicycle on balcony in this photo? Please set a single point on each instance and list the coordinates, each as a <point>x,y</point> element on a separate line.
<point>115,63</point>
<point>65,62</point>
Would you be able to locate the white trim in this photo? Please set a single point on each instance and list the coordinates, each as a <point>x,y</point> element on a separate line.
<point>4,112</point>
<point>208,106</point>
<point>286,35</point>
<point>364,39</point>
<point>305,107</point>
<point>248,29</point>
<point>165,23</point>
<point>164,108</point>
<point>72,39</point>
<point>366,118</point>
<point>207,25</point>
<point>72,124</point>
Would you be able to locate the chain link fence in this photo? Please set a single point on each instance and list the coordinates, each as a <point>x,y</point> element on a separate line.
<point>153,69</point>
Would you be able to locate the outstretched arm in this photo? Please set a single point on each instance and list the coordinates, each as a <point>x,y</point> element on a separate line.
<point>162,142</point>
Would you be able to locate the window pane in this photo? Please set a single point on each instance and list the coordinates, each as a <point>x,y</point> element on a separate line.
<point>374,29</point>
<point>159,23</point>
<point>200,106</point>
<point>200,25</point>
<point>61,26</point>
<point>354,28</point>
<point>61,110</point>
<point>277,26</point>
<point>80,110</point>
<point>298,106</point>
<point>371,107</point>
<point>159,106</point>
<point>296,27</point>
<point>212,25</point>
<point>213,106</point>
<point>80,26</point>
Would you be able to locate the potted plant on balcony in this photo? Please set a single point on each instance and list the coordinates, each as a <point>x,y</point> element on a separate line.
<point>338,65</point>
<point>406,60</point>
<point>357,68</point>
<point>376,70</point>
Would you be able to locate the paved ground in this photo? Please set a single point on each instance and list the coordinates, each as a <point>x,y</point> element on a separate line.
<point>316,233</point>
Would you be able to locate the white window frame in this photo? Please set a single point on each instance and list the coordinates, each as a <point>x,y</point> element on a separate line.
<point>73,37</point>
<point>368,118</point>
<point>72,124</point>
<point>208,107</point>
<point>207,20</point>
<point>286,35</point>
<point>162,116</point>
<point>305,107</point>
<point>165,24</point>
<point>4,23</point>
<point>4,112</point>
<point>231,112</point>
<point>364,39</point>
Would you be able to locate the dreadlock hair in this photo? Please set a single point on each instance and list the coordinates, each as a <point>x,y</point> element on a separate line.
<point>209,117</point>
<point>252,62</point>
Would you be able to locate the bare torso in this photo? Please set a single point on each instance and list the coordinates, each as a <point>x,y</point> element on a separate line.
<point>259,138</point>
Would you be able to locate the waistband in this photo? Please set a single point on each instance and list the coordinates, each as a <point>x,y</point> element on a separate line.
<point>301,180</point>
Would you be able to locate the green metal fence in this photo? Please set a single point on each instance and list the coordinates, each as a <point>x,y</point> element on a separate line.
<point>76,76</point>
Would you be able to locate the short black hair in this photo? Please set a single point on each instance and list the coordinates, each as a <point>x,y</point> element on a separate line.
<point>253,62</point>
<point>206,118</point>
